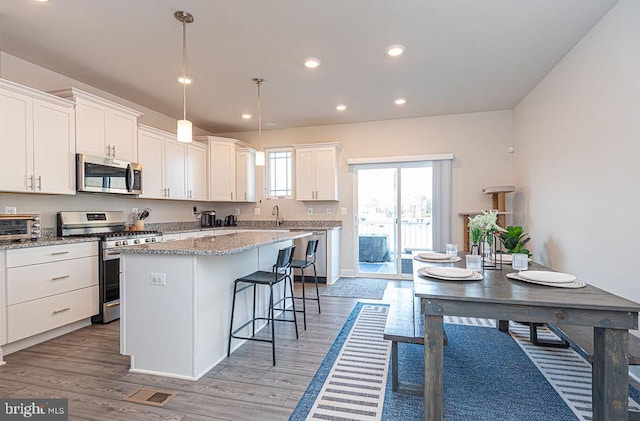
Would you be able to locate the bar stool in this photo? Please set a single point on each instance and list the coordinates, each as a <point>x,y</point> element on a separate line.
<point>309,260</point>
<point>279,273</point>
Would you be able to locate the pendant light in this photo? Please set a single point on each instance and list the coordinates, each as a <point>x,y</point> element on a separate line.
<point>260,154</point>
<point>184,130</point>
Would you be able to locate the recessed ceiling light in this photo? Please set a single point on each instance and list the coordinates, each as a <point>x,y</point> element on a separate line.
<point>187,80</point>
<point>341,107</point>
<point>312,62</point>
<point>400,101</point>
<point>42,1</point>
<point>246,116</point>
<point>272,124</point>
<point>395,50</point>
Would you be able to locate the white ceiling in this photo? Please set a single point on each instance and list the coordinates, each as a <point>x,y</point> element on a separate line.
<point>461,55</point>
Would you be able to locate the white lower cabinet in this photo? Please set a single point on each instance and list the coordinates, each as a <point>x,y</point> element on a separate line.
<point>37,316</point>
<point>49,287</point>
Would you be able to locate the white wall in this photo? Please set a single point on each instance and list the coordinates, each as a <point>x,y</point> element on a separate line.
<point>479,142</point>
<point>577,144</point>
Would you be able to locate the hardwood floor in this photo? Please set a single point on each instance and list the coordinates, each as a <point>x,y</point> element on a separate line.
<point>85,366</point>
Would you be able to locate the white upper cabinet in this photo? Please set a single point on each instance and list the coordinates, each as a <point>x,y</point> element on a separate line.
<point>197,172</point>
<point>222,171</point>
<point>164,164</point>
<point>38,141</point>
<point>246,175</point>
<point>317,172</point>
<point>151,156</point>
<point>175,169</point>
<point>103,128</point>
<point>231,169</point>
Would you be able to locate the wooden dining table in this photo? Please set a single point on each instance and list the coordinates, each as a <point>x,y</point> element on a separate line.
<point>498,297</point>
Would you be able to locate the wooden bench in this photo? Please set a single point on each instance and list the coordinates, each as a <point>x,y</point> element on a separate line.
<point>580,338</point>
<point>404,324</point>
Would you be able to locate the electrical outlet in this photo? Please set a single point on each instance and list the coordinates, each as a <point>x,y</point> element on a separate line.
<point>134,211</point>
<point>256,211</point>
<point>309,211</point>
<point>237,212</point>
<point>159,279</point>
<point>10,210</point>
<point>343,210</point>
<point>328,211</point>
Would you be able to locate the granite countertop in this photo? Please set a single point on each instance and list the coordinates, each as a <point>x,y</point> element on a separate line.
<point>307,225</point>
<point>48,241</point>
<point>216,246</point>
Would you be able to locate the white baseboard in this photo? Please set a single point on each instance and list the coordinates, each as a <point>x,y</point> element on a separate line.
<point>347,273</point>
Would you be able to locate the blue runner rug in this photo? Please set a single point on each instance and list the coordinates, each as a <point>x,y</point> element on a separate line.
<point>487,376</point>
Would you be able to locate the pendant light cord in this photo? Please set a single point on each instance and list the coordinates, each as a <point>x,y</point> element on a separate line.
<point>184,70</point>
<point>259,116</point>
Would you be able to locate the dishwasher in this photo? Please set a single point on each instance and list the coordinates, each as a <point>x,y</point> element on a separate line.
<point>321,255</point>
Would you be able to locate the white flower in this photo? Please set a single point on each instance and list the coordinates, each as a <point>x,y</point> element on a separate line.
<point>483,224</point>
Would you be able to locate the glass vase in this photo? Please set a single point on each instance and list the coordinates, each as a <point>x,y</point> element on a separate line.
<point>491,259</point>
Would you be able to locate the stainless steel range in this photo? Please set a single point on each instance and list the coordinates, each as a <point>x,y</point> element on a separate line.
<point>109,226</point>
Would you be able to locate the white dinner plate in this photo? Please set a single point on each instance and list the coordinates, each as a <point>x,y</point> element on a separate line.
<point>547,276</point>
<point>573,284</point>
<point>434,256</point>
<point>451,259</point>
<point>475,276</point>
<point>448,272</point>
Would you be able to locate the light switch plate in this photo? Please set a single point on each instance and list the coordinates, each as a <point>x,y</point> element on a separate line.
<point>343,210</point>
<point>309,211</point>
<point>256,211</point>
<point>237,212</point>
<point>328,211</point>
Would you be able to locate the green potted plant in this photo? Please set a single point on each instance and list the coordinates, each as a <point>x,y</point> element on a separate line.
<point>514,239</point>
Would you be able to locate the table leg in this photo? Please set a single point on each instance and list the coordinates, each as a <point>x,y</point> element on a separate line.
<point>433,368</point>
<point>610,376</point>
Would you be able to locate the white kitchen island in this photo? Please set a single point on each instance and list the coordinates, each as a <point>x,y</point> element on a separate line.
<point>176,299</point>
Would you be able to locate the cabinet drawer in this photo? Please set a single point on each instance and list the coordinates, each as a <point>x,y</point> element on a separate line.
<point>37,316</point>
<point>46,254</point>
<point>25,283</point>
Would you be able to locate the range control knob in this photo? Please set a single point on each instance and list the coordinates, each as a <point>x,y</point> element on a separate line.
<point>136,241</point>
<point>117,243</point>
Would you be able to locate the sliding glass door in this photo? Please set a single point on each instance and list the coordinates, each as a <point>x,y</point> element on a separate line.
<point>394,218</point>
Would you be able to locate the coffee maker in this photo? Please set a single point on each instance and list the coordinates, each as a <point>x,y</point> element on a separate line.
<point>208,218</point>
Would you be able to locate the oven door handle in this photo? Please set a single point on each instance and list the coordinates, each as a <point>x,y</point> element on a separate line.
<point>110,255</point>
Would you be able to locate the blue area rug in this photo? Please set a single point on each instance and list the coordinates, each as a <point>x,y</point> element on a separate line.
<point>487,377</point>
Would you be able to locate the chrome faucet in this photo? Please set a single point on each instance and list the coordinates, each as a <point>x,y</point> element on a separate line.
<point>276,212</point>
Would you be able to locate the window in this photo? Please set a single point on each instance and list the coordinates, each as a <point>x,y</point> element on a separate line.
<point>279,173</point>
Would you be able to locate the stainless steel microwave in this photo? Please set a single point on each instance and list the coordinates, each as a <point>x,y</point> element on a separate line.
<point>107,175</point>
<point>19,227</point>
